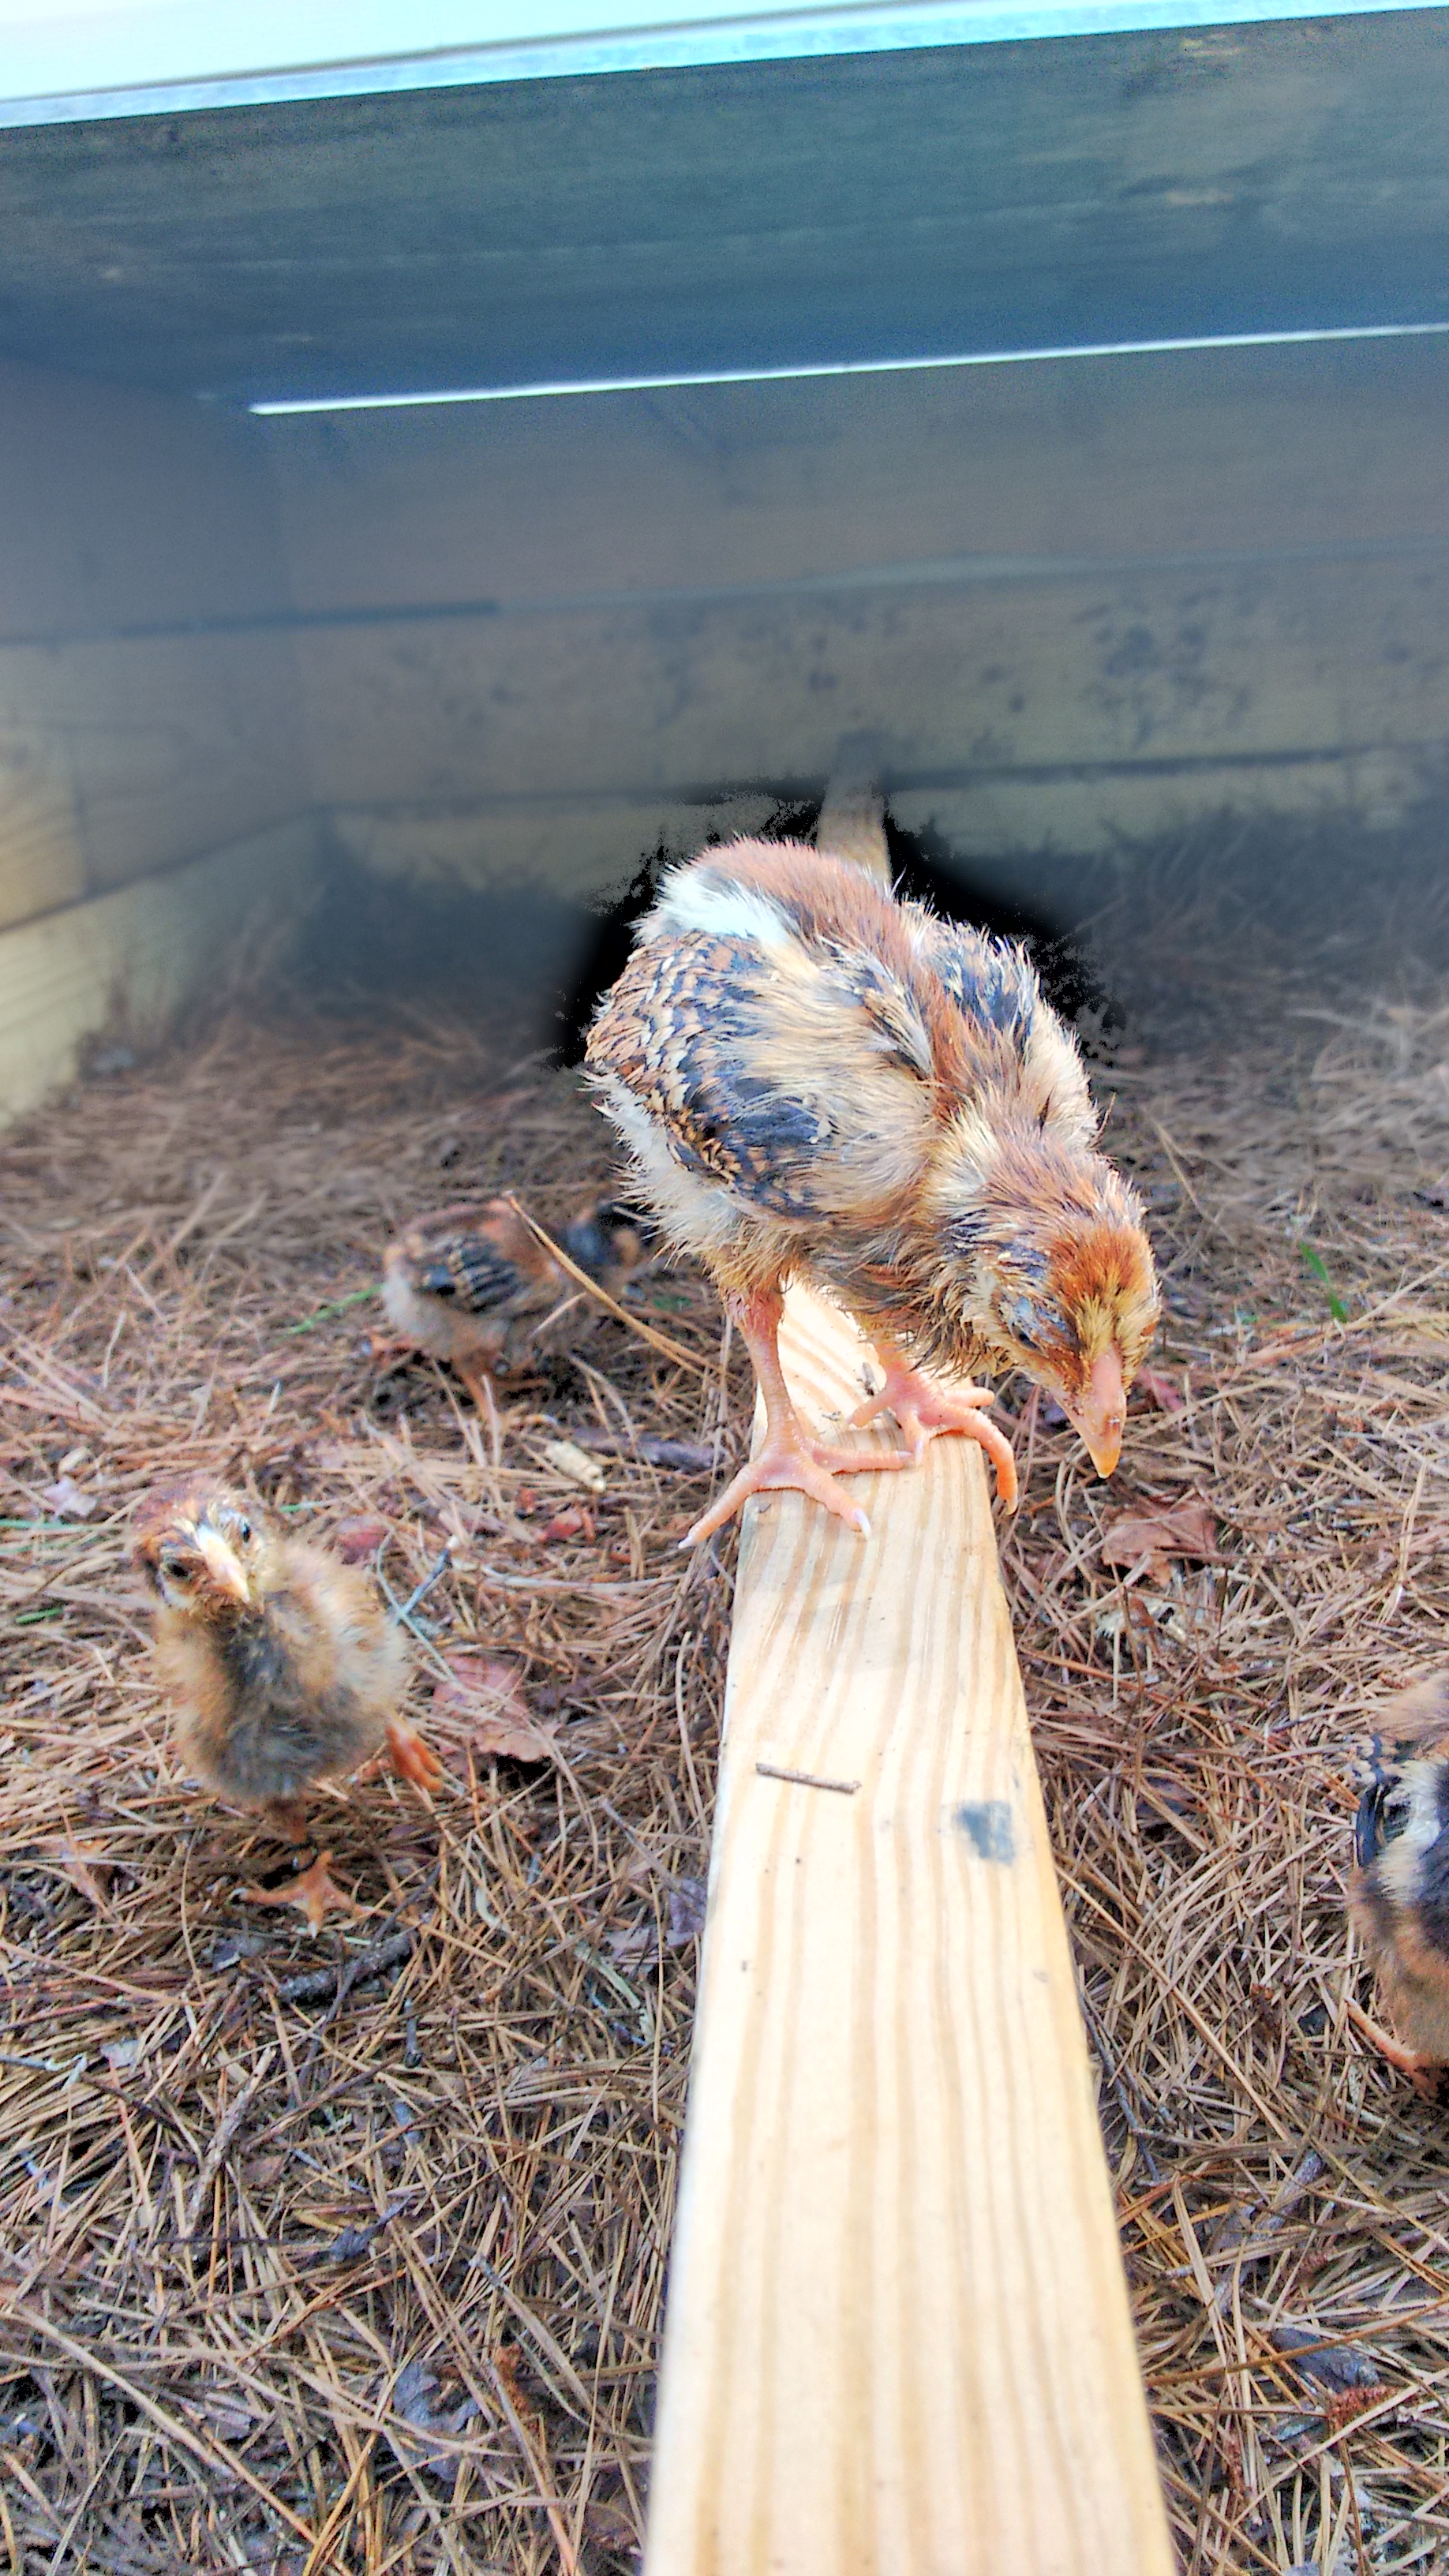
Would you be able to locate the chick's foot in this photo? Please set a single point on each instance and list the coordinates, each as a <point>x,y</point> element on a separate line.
<point>791,1463</point>
<point>925,1410</point>
<point>314,1890</point>
<point>411,1757</point>
<point>1423,2072</point>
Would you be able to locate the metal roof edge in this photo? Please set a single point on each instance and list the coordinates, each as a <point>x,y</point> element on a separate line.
<point>878,26</point>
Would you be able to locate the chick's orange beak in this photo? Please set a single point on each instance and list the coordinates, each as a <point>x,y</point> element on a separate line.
<point>1100,1415</point>
<point>224,1567</point>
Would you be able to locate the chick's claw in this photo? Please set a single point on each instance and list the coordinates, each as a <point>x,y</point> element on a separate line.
<point>412,1758</point>
<point>925,1410</point>
<point>314,1890</point>
<point>790,1463</point>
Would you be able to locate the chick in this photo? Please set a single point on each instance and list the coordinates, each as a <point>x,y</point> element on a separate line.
<point>468,1284</point>
<point>818,1082</point>
<point>283,1666</point>
<point>1399,1892</point>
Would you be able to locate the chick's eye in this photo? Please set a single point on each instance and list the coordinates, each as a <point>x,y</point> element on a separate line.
<point>245,1530</point>
<point>176,1569</point>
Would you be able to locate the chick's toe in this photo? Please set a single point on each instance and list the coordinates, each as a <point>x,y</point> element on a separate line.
<point>412,1757</point>
<point>925,1410</point>
<point>314,1889</point>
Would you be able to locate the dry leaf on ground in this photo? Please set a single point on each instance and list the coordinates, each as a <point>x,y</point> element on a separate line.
<point>1183,1529</point>
<point>81,1862</point>
<point>486,1693</point>
<point>1160,1389</point>
<point>358,1541</point>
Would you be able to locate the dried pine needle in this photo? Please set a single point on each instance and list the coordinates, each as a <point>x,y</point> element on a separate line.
<point>348,2254</point>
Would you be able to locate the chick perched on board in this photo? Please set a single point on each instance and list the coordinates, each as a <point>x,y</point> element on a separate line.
<point>817,1082</point>
<point>1399,1893</point>
<point>464,1284</point>
<point>283,1666</point>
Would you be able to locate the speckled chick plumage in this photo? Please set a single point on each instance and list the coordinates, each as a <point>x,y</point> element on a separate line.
<point>816,1081</point>
<point>1399,1892</point>
<point>280,1661</point>
<point>469,1284</point>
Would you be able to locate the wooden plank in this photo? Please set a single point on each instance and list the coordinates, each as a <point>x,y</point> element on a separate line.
<point>852,812</point>
<point>898,2340</point>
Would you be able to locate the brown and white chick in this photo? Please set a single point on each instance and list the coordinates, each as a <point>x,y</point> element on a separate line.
<point>469,1283</point>
<point>1399,1892</point>
<point>283,1666</point>
<point>817,1082</point>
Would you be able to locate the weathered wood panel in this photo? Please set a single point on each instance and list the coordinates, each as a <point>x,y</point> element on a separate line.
<point>124,751</point>
<point>1072,603</point>
<point>131,959</point>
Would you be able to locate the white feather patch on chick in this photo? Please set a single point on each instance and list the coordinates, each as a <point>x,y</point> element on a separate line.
<point>690,900</point>
<point>409,1313</point>
<point>697,1212</point>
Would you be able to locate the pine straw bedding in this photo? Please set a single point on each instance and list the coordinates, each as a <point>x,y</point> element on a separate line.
<point>407,2318</point>
<point>350,2255</point>
<point>1281,2195</point>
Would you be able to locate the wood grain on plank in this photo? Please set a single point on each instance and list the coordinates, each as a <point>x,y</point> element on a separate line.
<point>898,2341</point>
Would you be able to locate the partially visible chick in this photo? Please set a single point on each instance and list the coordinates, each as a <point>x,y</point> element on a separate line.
<point>468,1284</point>
<point>283,1666</point>
<point>817,1082</point>
<point>1399,1892</point>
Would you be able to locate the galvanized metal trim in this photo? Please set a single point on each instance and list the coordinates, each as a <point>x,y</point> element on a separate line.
<point>290,406</point>
<point>783,35</point>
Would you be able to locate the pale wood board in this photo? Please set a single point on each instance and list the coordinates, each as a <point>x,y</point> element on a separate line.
<point>898,2340</point>
<point>852,814</point>
<point>129,962</point>
<point>42,863</point>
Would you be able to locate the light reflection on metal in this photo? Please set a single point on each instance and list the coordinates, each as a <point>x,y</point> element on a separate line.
<point>812,370</point>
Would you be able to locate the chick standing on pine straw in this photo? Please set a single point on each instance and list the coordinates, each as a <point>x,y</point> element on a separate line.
<point>284,1668</point>
<point>1399,1893</point>
<point>817,1082</point>
<point>469,1284</point>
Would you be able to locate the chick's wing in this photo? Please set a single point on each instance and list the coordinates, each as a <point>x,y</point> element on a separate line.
<point>798,1076</point>
<point>990,980</point>
<point>1006,1022</point>
<point>472,1272</point>
<point>479,1263</point>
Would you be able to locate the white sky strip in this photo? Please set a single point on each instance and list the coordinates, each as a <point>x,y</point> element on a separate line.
<point>61,63</point>
<point>846,367</point>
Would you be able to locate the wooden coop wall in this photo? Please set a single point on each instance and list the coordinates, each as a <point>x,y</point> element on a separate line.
<point>1074,601</point>
<point>524,642</point>
<point>154,793</point>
